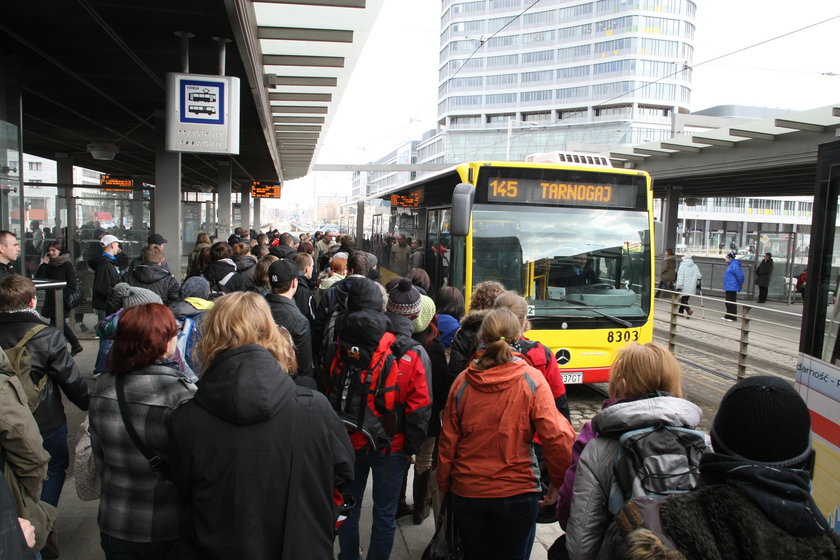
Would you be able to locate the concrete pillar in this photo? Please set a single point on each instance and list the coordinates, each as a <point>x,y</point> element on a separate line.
<point>166,202</point>
<point>224,208</point>
<point>210,216</point>
<point>65,201</point>
<point>257,214</point>
<point>245,208</point>
<point>670,206</point>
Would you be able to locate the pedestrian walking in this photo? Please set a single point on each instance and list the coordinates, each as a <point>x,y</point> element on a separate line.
<point>733,281</point>
<point>688,282</point>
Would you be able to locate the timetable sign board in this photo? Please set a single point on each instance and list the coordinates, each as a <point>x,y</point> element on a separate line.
<point>202,113</point>
<point>260,189</point>
<point>125,181</point>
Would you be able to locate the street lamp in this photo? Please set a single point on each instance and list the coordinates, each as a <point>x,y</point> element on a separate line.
<point>510,130</point>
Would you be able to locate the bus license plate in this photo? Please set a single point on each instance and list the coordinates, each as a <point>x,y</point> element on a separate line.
<point>572,378</point>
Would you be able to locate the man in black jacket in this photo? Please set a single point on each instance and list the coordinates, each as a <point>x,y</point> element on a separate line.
<point>283,277</point>
<point>50,359</point>
<point>106,273</point>
<point>151,275</point>
<point>303,294</point>
<point>286,248</point>
<point>221,272</point>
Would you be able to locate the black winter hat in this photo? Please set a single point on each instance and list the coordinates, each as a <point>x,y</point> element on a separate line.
<point>762,418</point>
<point>404,299</point>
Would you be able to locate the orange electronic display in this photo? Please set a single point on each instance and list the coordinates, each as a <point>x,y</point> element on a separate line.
<point>260,189</point>
<point>409,200</point>
<point>115,183</point>
<point>561,192</point>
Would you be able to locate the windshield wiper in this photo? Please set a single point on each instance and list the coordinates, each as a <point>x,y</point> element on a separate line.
<point>597,310</point>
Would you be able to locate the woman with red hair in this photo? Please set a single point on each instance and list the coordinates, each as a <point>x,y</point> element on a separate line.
<point>139,513</point>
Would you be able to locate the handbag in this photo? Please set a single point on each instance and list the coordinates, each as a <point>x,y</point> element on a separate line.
<point>446,543</point>
<point>88,482</point>
<point>76,297</point>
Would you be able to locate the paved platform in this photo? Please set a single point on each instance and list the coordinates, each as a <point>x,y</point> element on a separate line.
<point>78,532</point>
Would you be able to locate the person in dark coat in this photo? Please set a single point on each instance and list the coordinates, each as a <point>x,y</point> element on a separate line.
<point>106,273</point>
<point>221,272</point>
<point>303,294</point>
<point>763,272</point>
<point>245,263</point>
<point>465,342</point>
<point>283,277</point>
<point>151,275</point>
<point>285,249</point>
<point>58,266</point>
<point>240,431</point>
<point>50,359</point>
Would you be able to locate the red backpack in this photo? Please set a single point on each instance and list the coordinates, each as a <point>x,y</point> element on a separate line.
<point>362,382</point>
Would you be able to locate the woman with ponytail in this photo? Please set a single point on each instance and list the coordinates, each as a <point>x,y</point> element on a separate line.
<point>495,408</point>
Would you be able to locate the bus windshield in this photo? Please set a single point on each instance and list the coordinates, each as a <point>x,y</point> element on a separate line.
<point>567,262</point>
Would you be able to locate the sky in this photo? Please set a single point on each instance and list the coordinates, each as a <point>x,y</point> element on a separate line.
<point>392,96</point>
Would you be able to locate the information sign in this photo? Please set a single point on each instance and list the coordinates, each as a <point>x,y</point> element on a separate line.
<point>260,189</point>
<point>202,113</point>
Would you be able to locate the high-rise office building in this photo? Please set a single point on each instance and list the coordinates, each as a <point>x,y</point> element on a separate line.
<point>519,76</point>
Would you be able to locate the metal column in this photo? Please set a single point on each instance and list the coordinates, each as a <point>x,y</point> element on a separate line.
<point>671,206</point>
<point>66,202</point>
<point>224,208</point>
<point>245,208</point>
<point>166,202</point>
<point>257,217</point>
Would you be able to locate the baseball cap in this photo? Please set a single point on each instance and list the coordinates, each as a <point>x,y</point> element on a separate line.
<point>157,239</point>
<point>282,271</point>
<point>108,239</point>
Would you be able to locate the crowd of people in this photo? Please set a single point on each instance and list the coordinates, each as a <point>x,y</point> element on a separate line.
<point>242,411</point>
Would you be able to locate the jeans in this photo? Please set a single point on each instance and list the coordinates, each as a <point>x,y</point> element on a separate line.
<point>496,528</point>
<point>55,443</point>
<point>387,479</point>
<point>118,549</point>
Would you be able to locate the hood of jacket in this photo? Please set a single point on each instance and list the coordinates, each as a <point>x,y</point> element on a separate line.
<point>149,273</point>
<point>687,261</point>
<point>473,319</point>
<point>496,378</point>
<point>243,262</point>
<point>245,386</point>
<point>363,293</point>
<point>217,270</point>
<point>400,324</point>
<point>644,412</point>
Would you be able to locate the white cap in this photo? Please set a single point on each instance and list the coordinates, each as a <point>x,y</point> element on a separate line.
<point>108,239</point>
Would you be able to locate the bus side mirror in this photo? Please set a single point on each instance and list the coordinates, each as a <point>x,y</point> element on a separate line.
<point>658,238</point>
<point>462,201</point>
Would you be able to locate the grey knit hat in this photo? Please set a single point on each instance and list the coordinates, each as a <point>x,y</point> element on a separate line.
<point>133,296</point>
<point>195,286</point>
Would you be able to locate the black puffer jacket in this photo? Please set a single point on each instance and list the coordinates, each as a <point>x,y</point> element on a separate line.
<point>283,251</point>
<point>50,357</point>
<point>238,433</point>
<point>217,270</point>
<point>465,342</point>
<point>246,266</point>
<point>155,278</point>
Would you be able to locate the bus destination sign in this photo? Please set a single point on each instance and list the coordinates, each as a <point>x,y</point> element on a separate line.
<point>408,200</point>
<point>260,189</point>
<point>561,193</point>
<point>115,183</point>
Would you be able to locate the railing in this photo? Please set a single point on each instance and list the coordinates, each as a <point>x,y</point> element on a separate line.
<point>57,289</point>
<point>761,340</point>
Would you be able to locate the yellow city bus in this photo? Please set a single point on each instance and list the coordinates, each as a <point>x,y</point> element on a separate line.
<point>576,240</point>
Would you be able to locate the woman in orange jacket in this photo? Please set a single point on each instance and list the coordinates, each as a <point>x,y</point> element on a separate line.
<point>495,408</point>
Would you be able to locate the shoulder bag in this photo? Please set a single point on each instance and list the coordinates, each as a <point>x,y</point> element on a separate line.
<point>158,465</point>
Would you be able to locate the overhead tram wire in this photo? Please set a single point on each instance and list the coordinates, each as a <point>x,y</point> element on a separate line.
<point>736,51</point>
<point>466,60</point>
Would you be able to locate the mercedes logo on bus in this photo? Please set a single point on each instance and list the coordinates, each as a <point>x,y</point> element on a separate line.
<point>563,357</point>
